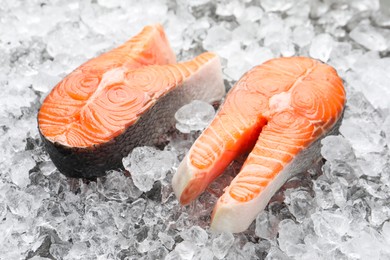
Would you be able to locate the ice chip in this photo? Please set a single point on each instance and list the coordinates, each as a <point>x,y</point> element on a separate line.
<point>273,6</point>
<point>198,2</point>
<point>370,37</point>
<point>147,245</point>
<point>222,244</point>
<point>194,116</point>
<point>266,225</point>
<point>195,235</point>
<point>330,226</point>
<point>276,254</point>
<point>321,47</point>
<point>47,167</point>
<point>116,186</point>
<point>166,240</point>
<point>147,165</point>
<point>290,237</point>
<point>217,37</point>
<point>300,203</point>
<point>386,231</point>
<point>204,254</point>
<point>324,195</point>
<point>173,255</point>
<point>186,250</point>
<point>251,14</point>
<point>19,173</point>
<point>336,148</point>
<point>302,35</point>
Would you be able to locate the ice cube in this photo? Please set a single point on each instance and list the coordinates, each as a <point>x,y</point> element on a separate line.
<point>324,195</point>
<point>300,203</point>
<point>147,165</point>
<point>23,163</point>
<point>291,238</point>
<point>194,116</point>
<point>336,148</point>
<point>276,254</point>
<point>266,225</point>
<point>166,240</point>
<point>331,226</point>
<point>116,186</point>
<point>147,245</point>
<point>195,235</point>
<point>370,37</point>
<point>321,47</point>
<point>386,231</point>
<point>302,35</point>
<point>204,254</point>
<point>229,8</point>
<point>217,37</point>
<point>245,33</point>
<point>173,255</point>
<point>251,14</point>
<point>222,244</point>
<point>273,6</point>
<point>186,250</point>
<point>339,194</point>
<point>110,4</point>
<point>360,245</point>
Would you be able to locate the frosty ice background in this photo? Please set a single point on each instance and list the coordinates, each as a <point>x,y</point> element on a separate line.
<point>339,209</point>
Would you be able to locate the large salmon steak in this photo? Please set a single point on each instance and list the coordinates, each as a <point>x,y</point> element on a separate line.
<point>121,99</point>
<point>278,111</point>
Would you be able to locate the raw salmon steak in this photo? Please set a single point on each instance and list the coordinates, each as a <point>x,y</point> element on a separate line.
<point>278,111</point>
<point>121,99</point>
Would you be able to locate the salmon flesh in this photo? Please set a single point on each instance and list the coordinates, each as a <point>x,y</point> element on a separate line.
<point>278,111</point>
<point>121,99</point>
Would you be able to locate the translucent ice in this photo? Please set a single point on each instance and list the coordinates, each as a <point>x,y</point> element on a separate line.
<point>338,210</point>
<point>222,244</point>
<point>194,116</point>
<point>147,165</point>
<point>195,235</point>
<point>20,172</point>
<point>300,204</point>
<point>186,250</point>
<point>116,186</point>
<point>336,148</point>
<point>370,37</point>
<point>302,35</point>
<point>321,47</point>
<point>217,37</point>
<point>272,6</point>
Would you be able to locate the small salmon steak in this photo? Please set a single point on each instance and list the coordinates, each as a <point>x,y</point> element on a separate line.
<point>121,99</point>
<point>278,111</point>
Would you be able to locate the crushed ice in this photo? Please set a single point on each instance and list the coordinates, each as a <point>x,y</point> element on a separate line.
<point>337,210</point>
<point>194,116</point>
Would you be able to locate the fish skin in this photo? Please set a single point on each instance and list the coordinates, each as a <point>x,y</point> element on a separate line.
<point>146,104</point>
<point>278,111</point>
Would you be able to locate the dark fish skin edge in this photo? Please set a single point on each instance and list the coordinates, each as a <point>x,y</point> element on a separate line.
<point>94,161</point>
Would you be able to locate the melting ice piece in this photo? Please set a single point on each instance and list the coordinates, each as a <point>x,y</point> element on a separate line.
<point>147,165</point>
<point>222,244</point>
<point>23,162</point>
<point>336,148</point>
<point>370,37</point>
<point>186,250</point>
<point>195,235</point>
<point>321,47</point>
<point>194,116</point>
